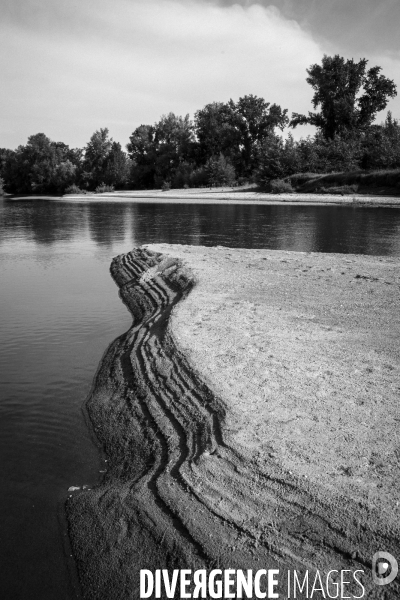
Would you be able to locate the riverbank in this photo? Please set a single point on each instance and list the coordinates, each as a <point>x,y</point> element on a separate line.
<point>224,195</point>
<point>236,196</point>
<point>255,426</point>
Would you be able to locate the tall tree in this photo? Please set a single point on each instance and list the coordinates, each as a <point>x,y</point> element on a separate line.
<point>236,129</point>
<point>39,166</point>
<point>141,150</point>
<point>6,160</point>
<point>217,131</point>
<point>348,95</point>
<point>173,144</point>
<point>141,143</point>
<point>159,150</point>
<point>257,120</point>
<point>96,154</point>
<point>117,166</point>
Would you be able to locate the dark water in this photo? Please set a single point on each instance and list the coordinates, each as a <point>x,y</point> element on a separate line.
<point>60,310</point>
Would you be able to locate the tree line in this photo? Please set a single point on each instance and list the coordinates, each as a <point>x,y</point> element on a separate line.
<point>227,143</point>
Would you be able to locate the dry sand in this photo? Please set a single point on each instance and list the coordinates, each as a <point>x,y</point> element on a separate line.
<point>256,424</point>
<point>235,196</point>
<point>220,195</point>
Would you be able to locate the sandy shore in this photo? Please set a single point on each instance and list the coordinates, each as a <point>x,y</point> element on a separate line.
<point>225,195</point>
<point>250,417</point>
<point>236,196</point>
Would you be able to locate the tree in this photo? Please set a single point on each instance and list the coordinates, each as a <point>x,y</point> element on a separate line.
<point>6,159</point>
<point>141,143</point>
<point>117,166</point>
<point>5,153</point>
<point>217,131</point>
<point>41,166</point>
<point>37,161</point>
<point>175,134</point>
<point>158,151</point>
<point>236,129</point>
<point>277,159</point>
<point>219,171</point>
<point>381,145</point>
<point>96,154</point>
<point>141,149</point>
<point>348,95</point>
<point>173,139</point>
<point>257,120</point>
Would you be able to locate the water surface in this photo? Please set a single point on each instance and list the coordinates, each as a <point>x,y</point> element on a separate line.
<point>60,310</point>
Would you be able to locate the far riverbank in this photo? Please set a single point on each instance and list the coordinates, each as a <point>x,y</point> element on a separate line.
<point>231,195</point>
<point>222,195</point>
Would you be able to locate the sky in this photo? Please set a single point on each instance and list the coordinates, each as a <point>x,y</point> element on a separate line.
<point>68,67</point>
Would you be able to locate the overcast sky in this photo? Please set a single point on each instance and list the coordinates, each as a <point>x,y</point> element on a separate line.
<point>70,67</point>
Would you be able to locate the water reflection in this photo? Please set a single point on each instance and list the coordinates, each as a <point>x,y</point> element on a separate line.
<point>341,229</point>
<point>299,228</point>
<point>107,223</point>
<point>41,221</point>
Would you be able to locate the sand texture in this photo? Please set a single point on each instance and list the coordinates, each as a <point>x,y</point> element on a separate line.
<point>250,417</point>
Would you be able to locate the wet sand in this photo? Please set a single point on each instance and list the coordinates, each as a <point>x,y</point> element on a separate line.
<point>250,418</point>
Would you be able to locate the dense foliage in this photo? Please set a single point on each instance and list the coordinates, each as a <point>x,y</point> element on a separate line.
<point>378,147</point>
<point>237,130</point>
<point>226,144</point>
<point>40,166</point>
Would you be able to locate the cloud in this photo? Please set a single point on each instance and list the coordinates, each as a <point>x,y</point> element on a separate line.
<point>68,69</point>
<point>361,26</point>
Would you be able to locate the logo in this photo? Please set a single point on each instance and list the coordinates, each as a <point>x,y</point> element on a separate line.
<point>384,568</point>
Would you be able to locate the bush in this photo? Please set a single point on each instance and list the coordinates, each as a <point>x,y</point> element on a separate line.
<point>74,189</point>
<point>1,186</point>
<point>104,189</point>
<point>278,186</point>
<point>166,186</point>
<point>277,159</point>
<point>220,171</point>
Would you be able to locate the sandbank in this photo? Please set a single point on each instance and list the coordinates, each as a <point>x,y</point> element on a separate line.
<point>235,196</point>
<point>250,417</point>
